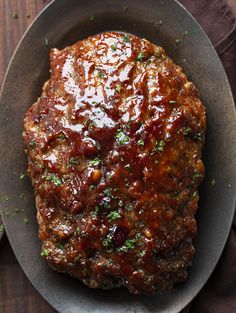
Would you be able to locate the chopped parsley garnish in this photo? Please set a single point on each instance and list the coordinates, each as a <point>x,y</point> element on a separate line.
<point>56,180</point>
<point>62,136</point>
<point>106,203</point>
<point>197,136</point>
<point>22,176</point>
<point>60,245</point>
<point>74,160</point>
<point>213,182</point>
<point>4,198</point>
<point>78,230</point>
<point>44,252</point>
<point>159,146</point>
<point>128,167</point>
<point>128,245</point>
<point>32,143</point>
<point>107,242</point>
<point>108,192</point>
<point>100,74</point>
<point>178,41</point>
<point>113,215</point>
<point>92,17</point>
<point>17,210</point>
<point>46,41</point>
<point>126,38</point>
<point>96,210</point>
<point>22,196</point>
<point>118,87</point>
<point>140,56</point>
<point>121,138</point>
<point>196,174</point>
<point>113,47</point>
<point>141,142</point>
<point>129,207</point>
<point>120,203</point>
<point>95,162</point>
<point>26,220</point>
<point>186,131</point>
<point>91,187</point>
<point>1,228</point>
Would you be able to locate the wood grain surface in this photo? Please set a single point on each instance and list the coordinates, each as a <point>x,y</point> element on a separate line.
<point>16,293</point>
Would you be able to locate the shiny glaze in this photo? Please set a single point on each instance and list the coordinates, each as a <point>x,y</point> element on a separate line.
<point>114,146</point>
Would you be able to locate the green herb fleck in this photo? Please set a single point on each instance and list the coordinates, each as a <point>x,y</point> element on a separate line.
<point>108,192</point>
<point>126,38</point>
<point>106,203</point>
<point>213,182</point>
<point>172,102</point>
<point>44,252</point>
<point>121,138</point>
<point>7,213</point>
<point>197,136</point>
<point>128,245</point>
<point>22,196</point>
<point>46,41</point>
<point>1,228</point>
<point>22,176</point>
<point>74,160</point>
<point>17,210</point>
<point>129,207</point>
<point>32,143</point>
<point>197,174</point>
<point>159,146</point>
<point>95,162</point>
<point>107,242</point>
<point>113,215</point>
<point>92,17</point>
<point>60,245</point>
<point>100,74</point>
<point>178,41</point>
<point>96,210</point>
<point>62,136</point>
<point>141,142</point>
<point>4,198</point>
<point>186,131</point>
<point>118,87</point>
<point>113,47</point>
<point>92,187</point>
<point>127,167</point>
<point>56,180</point>
<point>26,220</point>
<point>140,56</point>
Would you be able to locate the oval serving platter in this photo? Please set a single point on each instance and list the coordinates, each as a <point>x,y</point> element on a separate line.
<point>162,22</point>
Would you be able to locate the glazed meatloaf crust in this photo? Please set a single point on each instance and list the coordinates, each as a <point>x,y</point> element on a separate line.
<point>114,151</point>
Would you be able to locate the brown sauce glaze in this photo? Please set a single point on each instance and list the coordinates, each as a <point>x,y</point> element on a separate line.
<point>114,147</point>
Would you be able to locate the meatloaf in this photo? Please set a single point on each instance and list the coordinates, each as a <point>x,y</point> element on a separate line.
<point>114,153</point>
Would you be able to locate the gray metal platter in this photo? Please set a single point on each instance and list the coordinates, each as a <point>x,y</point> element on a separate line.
<point>64,22</point>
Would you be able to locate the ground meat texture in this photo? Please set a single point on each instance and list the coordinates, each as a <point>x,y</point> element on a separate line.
<point>114,151</point>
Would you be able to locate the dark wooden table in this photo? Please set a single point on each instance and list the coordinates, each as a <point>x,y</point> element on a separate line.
<point>16,293</point>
